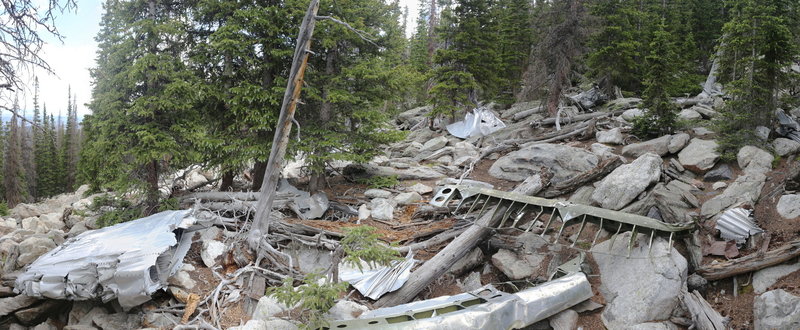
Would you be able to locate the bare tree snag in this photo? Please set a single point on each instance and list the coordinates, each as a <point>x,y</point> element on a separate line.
<point>281,139</point>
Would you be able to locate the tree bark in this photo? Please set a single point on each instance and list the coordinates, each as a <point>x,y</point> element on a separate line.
<point>151,204</point>
<point>280,141</point>
<point>258,174</point>
<point>227,181</point>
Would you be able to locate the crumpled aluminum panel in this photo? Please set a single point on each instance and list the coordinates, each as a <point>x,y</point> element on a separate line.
<point>485,308</point>
<point>374,283</point>
<point>479,122</point>
<point>736,224</point>
<point>128,261</point>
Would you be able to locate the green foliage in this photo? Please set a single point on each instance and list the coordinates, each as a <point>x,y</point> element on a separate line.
<point>169,204</point>
<point>379,182</point>
<point>759,43</point>
<point>4,209</point>
<point>114,210</point>
<point>362,243</point>
<point>315,298</point>
<point>660,114</point>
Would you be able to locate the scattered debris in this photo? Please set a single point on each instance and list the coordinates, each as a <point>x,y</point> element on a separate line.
<point>485,308</point>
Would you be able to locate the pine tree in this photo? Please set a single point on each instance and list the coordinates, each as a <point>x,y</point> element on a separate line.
<point>15,182</point>
<point>143,118</point>
<point>758,43</point>
<point>617,46</point>
<point>70,147</point>
<point>468,65</point>
<point>352,85</point>
<point>660,114</point>
<point>513,43</point>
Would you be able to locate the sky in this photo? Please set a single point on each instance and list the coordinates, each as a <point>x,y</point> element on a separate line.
<point>72,58</point>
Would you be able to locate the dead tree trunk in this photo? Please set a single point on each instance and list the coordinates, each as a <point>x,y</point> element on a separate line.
<point>281,139</point>
<point>227,181</point>
<point>751,263</point>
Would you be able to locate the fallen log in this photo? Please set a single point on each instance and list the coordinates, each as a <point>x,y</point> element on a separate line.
<point>453,252</point>
<point>703,315</point>
<point>442,261</point>
<point>435,240</point>
<point>581,117</point>
<point>751,263</point>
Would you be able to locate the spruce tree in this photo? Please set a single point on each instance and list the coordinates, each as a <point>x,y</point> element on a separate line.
<point>660,112</point>
<point>15,181</point>
<point>757,46</point>
<point>143,119</point>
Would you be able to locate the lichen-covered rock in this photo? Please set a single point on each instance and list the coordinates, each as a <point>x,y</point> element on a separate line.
<point>789,206</point>
<point>754,160</point>
<point>564,162</point>
<point>776,309</point>
<point>658,146</point>
<point>627,181</point>
<point>643,288</point>
<point>699,156</point>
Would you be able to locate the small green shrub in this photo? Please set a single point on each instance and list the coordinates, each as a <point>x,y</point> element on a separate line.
<point>378,182</point>
<point>316,297</point>
<point>4,209</point>
<point>168,204</point>
<point>114,210</point>
<point>362,243</point>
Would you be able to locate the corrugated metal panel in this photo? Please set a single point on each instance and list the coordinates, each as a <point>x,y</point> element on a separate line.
<point>736,224</point>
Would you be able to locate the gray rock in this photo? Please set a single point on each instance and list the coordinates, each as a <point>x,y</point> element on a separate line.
<point>643,288</point>
<point>161,320</point>
<point>211,251</point>
<point>382,209</point>
<point>268,307</point>
<point>272,323</point>
<point>182,279</point>
<point>678,142</point>
<point>626,182</point>
<point>789,206</point>
<point>9,252</point>
<point>56,204</point>
<point>583,195</point>
<point>602,150</point>
<point>412,150</point>
<point>766,277</point>
<point>719,185</point>
<point>612,136</point>
<point>532,185</point>
<point>117,321</point>
<point>12,304</point>
<point>464,152</point>
<point>37,313</point>
<point>696,282</point>
<point>377,193</point>
<point>212,233</point>
<point>50,324</point>
<point>407,198</point>
<point>467,263</point>
<point>722,172</point>
<point>33,247</point>
<point>364,212</point>
<point>762,132</point>
<point>754,160</point>
<point>699,156</point>
<point>564,320</point>
<point>776,309</point>
<point>658,146</point>
<point>411,173</point>
<point>689,114</point>
<point>420,188</point>
<point>471,282</point>
<point>631,114</point>
<point>77,229</point>
<point>432,145</point>
<point>43,223</point>
<point>666,325</point>
<point>745,189</point>
<point>785,146</point>
<point>514,266</point>
<point>564,162</point>
<point>702,131</point>
<point>705,111</point>
<point>309,259</point>
<point>346,310</point>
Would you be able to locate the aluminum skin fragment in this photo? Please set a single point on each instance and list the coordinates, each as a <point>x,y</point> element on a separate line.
<point>485,308</point>
<point>128,261</point>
